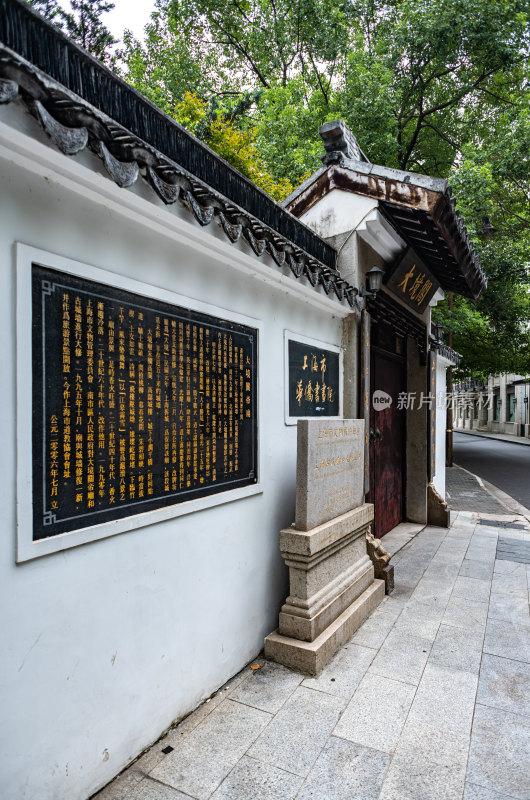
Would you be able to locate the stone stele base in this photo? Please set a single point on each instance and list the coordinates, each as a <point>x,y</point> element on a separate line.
<point>332,590</point>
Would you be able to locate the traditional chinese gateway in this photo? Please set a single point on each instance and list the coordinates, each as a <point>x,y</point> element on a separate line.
<point>164,326</point>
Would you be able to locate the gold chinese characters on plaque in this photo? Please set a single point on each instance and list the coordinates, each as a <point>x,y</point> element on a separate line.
<point>137,404</point>
<point>413,283</point>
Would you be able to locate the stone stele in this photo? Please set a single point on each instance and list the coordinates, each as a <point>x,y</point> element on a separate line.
<point>329,470</point>
<point>332,589</point>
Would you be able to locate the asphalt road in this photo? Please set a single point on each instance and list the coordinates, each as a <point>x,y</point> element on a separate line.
<point>503,464</point>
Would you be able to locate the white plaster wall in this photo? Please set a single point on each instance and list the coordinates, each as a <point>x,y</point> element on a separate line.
<point>338,212</point>
<point>108,643</point>
<point>441,425</point>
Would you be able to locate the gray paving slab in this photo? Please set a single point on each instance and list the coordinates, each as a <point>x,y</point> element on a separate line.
<point>253,779</point>
<point>427,765</point>
<point>514,585</point>
<point>203,759</point>
<point>410,574</point>
<point>506,567</point>
<point>433,592</point>
<point>342,676</point>
<point>472,589</point>
<point>402,657</point>
<point>509,608</point>
<point>267,688</point>
<point>440,570</point>
<point>516,546</point>
<point>375,715</point>
<point>505,684</point>
<point>420,619</point>
<point>474,792</point>
<point>299,731</point>
<point>463,613</point>
<point>149,789</point>
<point>476,569</point>
<point>457,648</point>
<point>122,787</point>
<point>513,554</point>
<point>459,535</point>
<point>391,605</point>
<point>451,550</point>
<point>402,590</point>
<point>486,535</point>
<point>481,558</point>
<point>346,771</point>
<point>194,719</point>
<point>375,630</point>
<point>486,547</point>
<point>499,756</point>
<point>445,698</point>
<point>507,639</point>
<point>391,716</point>
<point>484,538</point>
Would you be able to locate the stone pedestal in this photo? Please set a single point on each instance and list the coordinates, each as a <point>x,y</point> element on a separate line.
<point>312,657</point>
<point>332,590</point>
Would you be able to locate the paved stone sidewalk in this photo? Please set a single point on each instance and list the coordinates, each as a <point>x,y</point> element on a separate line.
<point>465,493</point>
<point>429,701</point>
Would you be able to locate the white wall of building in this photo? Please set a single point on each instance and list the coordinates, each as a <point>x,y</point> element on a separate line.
<point>110,642</point>
<point>441,423</point>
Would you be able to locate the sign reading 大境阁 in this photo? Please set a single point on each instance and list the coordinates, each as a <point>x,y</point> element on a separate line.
<point>413,283</point>
<point>137,404</point>
<point>329,470</point>
<point>313,380</point>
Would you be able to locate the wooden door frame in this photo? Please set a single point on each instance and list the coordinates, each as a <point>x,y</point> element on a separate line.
<point>402,360</point>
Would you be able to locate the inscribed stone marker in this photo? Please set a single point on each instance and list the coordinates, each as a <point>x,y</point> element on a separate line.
<point>329,470</point>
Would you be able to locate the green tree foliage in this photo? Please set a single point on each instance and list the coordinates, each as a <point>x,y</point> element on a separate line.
<point>492,184</point>
<point>440,87</point>
<point>413,79</point>
<point>49,9</point>
<point>437,87</point>
<point>83,24</point>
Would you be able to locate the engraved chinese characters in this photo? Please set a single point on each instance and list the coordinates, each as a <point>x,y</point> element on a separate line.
<point>329,471</point>
<point>137,404</point>
<point>313,381</point>
<point>413,283</point>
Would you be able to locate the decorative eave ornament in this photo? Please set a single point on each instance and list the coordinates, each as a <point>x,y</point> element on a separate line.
<point>420,208</point>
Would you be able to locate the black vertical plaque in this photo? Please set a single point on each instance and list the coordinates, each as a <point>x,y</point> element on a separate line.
<point>137,404</point>
<point>313,381</point>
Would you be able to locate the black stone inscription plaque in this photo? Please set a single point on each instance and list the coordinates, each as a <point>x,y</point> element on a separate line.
<point>137,404</point>
<point>413,283</point>
<point>313,381</point>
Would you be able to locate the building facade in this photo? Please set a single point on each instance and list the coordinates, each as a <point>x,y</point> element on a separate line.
<point>406,225</point>
<point>164,325</point>
<point>500,406</point>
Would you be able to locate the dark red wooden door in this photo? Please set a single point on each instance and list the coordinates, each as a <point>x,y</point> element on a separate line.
<point>387,443</point>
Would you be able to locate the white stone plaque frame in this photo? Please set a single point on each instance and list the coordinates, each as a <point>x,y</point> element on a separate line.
<point>26,547</point>
<point>333,348</point>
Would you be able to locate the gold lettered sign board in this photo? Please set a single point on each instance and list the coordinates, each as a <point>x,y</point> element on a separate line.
<point>138,404</point>
<point>413,283</point>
